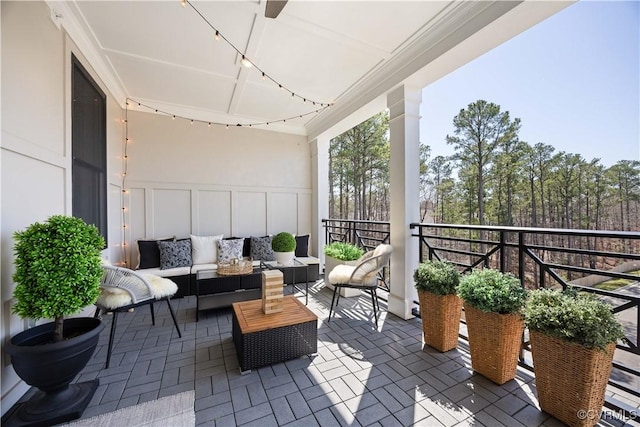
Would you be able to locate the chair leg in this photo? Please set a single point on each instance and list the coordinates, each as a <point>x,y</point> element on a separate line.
<point>97,313</point>
<point>374,297</point>
<point>111,336</point>
<point>153,315</point>
<point>173,316</point>
<point>335,288</point>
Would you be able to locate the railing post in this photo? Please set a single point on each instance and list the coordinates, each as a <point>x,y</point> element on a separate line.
<point>502,250</point>
<point>326,233</point>
<point>521,273</point>
<point>420,250</point>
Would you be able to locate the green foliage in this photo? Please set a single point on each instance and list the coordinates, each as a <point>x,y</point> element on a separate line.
<point>575,317</point>
<point>492,290</point>
<point>283,242</point>
<point>343,251</point>
<point>437,277</point>
<point>359,169</point>
<point>57,267</point>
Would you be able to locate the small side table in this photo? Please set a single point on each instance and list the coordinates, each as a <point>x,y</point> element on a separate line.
<point>263,339</point>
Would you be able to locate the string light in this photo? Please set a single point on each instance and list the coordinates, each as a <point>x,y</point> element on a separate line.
<point>125,192</point>
<point>245,61</point>
<point>248,124</point>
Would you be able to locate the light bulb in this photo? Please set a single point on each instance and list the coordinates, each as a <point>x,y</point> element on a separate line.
<point>245,62</point>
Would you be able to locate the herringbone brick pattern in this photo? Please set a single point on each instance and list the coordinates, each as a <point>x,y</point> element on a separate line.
<point>359,377</point>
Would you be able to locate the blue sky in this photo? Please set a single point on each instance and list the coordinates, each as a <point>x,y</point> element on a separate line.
<point>573,80</point>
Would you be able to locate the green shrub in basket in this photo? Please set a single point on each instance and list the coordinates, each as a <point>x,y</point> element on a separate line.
<point>490,290</point>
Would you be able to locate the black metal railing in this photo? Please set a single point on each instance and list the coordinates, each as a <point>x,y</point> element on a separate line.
<point>539,257</point>
<point>364,234</point>
<point>542,257</point>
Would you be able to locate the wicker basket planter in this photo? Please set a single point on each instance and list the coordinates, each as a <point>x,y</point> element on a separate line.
<point>571,379</point>
<point>495,341</point>
<point>440,320</point>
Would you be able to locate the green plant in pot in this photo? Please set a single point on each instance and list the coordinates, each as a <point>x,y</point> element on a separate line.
<point>343,251</point>
<point>284,246</point>
<point>493,303</point>
<point>57,273</point>
<point>337,253</point>
<point>573,337</point>
<point>440,306</point>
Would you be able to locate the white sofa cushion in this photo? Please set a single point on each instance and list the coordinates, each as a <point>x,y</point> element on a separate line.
<point>171,272</point>
<point>204,249</point>
<point>201,267</point>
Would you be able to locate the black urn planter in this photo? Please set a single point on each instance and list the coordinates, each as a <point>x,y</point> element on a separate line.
<point>51,367</point>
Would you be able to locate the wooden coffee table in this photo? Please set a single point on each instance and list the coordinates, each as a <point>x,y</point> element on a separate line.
<point>263,339</point>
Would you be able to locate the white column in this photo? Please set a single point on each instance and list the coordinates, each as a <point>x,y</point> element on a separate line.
<point>320,193</point>
<point>404,129</point>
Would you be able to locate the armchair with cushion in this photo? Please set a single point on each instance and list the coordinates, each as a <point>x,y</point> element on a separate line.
<point>363,276</point>
<point>122,289</point>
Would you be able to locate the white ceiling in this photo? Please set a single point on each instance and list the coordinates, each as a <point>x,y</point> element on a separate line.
<point>164,55</point>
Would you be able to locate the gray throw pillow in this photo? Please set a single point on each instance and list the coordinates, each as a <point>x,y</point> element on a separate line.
<point>175,254</point>
<point>261,248</point>
<point>229,250</point>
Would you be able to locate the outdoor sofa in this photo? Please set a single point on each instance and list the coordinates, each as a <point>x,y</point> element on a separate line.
<point>181,259</point>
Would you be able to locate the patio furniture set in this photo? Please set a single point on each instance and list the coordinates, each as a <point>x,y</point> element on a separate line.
<point>181,259</point>
<point>261,337</point>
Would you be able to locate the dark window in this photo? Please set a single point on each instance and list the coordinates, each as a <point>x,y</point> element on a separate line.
<point>89,149</point>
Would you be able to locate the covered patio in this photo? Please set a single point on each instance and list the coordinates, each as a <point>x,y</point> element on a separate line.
<point>359,377</point>
<point>166,177</point>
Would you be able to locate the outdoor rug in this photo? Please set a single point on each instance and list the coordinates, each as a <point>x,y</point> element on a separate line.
<point>170,411</point>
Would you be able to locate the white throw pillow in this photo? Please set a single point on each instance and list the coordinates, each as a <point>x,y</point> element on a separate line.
<point>204,249</point>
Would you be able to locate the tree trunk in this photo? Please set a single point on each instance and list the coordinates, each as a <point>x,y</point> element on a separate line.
<point>58,331</point>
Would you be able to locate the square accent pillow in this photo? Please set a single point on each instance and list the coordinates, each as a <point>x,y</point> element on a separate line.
<point>230,249</point>
<point>149,253</point>
<point>175,254</point>
<point>204,249</point>
<point>261,248</point>
<point>302,245</point>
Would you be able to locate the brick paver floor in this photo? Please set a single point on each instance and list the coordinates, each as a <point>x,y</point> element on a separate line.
<point>359,377</point>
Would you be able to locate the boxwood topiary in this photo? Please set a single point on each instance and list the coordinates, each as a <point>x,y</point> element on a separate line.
<point>575,317</point>
<point>437,277</point>
<point>283,242</point>
<point>490,290</point>
<point>58,269</point>
<point>343,251</point>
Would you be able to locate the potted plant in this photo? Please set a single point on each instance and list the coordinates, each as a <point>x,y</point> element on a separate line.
<point>440,306</point>
<point>493,303</point>
<point>284,246</point>
<point>573,337</point>
<point>337,253</point>
<point>57,273</point>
